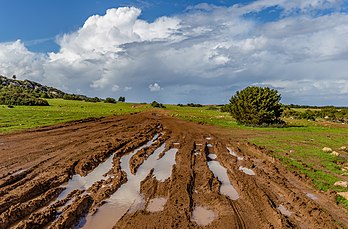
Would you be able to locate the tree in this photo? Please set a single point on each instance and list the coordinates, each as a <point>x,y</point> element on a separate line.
<point>109,100</point>
<point>157,105</point>
<point>14,77</point>
<point>122,99</point>
<point>256,106</point>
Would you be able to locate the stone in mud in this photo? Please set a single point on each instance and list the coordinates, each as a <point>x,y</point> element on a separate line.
<point>343,148</point>
<point>327,149</point>
<point>342,184</point>
<point>343,194</point>
<point>334,153</point>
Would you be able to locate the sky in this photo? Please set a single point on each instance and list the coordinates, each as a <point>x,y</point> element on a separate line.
<point>180,51</point>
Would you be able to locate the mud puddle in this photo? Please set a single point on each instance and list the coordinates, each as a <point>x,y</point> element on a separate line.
<point>128,197</point>
<point>284,211</point>
<point>234,154</point>
<point>98,174</point>
<point>156,204</point>
<point>247,171</point>
<point>312,196</point>
<point>203,216</point>
<point>220,172</point>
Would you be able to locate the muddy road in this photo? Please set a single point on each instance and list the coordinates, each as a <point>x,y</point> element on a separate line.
<point>150,170</point>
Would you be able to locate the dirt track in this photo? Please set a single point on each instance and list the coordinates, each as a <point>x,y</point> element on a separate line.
<point>36,165</point>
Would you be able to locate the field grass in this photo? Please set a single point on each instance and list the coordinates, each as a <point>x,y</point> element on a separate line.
<point>24,117</point>
<point>298,146</point>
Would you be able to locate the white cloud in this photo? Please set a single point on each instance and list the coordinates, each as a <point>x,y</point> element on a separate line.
<point>155,87</point>
<point>16,59</point>
<point>204,55</point>
<point>115,88</point>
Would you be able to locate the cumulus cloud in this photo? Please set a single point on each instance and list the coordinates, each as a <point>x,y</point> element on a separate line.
<point>203,55</point>
<point>155,87</point>
<point>16,59</point>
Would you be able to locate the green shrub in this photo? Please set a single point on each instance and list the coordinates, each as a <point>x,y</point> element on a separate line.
<point>157,105</point>
<point>109,100</point>
<point>256,106</point>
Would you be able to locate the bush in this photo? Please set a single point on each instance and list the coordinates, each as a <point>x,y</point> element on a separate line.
<point>109,100</point>
<point>93,100</point>
<point>194,105</point>
<point>157,105</point>
<point>256,106</point>
<point>74,97</point>
<point>19,96</point>
<point>122,99</point>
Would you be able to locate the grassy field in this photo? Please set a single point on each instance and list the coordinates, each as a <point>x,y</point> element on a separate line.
<point>24,117</point>
<point>298,146</point>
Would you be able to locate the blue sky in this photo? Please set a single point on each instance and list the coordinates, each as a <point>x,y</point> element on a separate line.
<point>180,51</point>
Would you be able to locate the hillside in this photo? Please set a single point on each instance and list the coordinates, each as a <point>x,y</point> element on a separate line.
<point>30,86</point>
<point>30,93</point>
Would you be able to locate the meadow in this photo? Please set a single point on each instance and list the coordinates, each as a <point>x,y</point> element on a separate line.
<point>59,111</point>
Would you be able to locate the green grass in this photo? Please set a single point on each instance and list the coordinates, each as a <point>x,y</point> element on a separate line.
<point>25,117</point>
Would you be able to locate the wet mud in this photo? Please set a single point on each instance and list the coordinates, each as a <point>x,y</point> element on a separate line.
<point>150,170</point>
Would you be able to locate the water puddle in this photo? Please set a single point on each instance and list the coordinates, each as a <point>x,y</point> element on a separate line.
<point>19,172</point>
<point>247,171</point>
<point>203,216</point>
<point>128,197</point>
<point>209,138</point>
<point>312,196</point>
<point>98,174</point>
<point>156,205</point>
<point>234,154</point>
<point>212,156</point>
<point>209,145</point>
<point>284,211</point>
<point>226,187</point>
<point>163,167</point>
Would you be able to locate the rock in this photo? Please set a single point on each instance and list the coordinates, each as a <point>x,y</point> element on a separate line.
<point>344,194</point>
<point>344,148</point>
<point>342,184</point>
<point>327,149</point>
<point>335,153</point>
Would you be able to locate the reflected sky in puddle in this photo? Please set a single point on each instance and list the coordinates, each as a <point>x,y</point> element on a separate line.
<point>247,171</point>
<point>234,154</point>
<point>83,183</point>
<point>212,156</point>
<point>156,204</point>
<point>128,197</point>
<point>312,196</point>
<point>203,216</point>
<point>226,187</point>
<point>284,211</point>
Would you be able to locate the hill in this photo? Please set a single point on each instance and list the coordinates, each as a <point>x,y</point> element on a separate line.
<point>26,92</point>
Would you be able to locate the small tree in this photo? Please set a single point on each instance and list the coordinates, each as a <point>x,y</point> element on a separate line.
<point>256,106</point>
<point>14,77</point>
<point>122,99</point>
<point>157,105</point>
<point>109,100</point>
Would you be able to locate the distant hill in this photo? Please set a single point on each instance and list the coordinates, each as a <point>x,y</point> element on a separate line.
<point>30,93</point>
<point>31,87</point>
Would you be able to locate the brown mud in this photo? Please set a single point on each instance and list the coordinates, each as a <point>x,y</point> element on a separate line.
<point>36,166</point>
